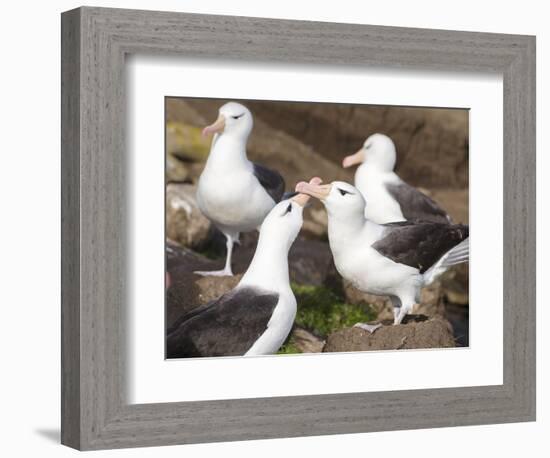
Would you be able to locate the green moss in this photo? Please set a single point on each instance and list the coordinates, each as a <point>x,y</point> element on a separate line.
<point>323,311</point>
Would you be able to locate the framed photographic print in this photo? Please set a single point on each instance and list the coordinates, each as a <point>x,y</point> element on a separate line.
<point>266,228</point>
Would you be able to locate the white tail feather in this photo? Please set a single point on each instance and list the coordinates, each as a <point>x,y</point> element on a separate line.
<point>456,255</point>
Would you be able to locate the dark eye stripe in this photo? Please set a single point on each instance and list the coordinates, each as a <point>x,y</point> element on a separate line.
<point>288,209</point>
<point>238,116</point>
<point>343,192</point>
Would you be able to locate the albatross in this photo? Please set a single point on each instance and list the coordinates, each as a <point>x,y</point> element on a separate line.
<point>255,317</point>
<point>394,259</point>
<point>234,193</point>
<point>390,198</point>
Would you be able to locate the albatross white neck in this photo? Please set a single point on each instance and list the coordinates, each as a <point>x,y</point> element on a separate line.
<point>228,151</point>
<point>344,232</point>
<point>269,267</point>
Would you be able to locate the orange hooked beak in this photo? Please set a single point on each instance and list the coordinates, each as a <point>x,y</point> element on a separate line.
<point>353,159</point>
<point>216,127</point>
<point>314,188</point>
<point>302,199</point>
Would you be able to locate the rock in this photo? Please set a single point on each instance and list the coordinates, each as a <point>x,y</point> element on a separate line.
<point>188,290</point>
<point>455,203</point>
<point>186,152</point>
<point>179,256</point>
<point>431,301</point>
<point>418,332</point>
<point>306,342</point>
<point>210,288</point>
<point>186,142</point>
<point>432,144</point>
<point>310,261</point>
<point>456,294</point>
<point>185,223</point>
<point>459,317</point>
<point>179,109</point>
<point>176,170</point>
<point>455,284</point>
<point>315,222</point>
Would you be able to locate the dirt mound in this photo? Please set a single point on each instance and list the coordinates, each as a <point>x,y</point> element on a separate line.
<point>417,332</point>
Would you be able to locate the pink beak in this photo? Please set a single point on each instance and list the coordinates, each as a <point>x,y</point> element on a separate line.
<point>314,188</point>
<point>217,126</point>
<point>353,159</point>
<point>303,199</point>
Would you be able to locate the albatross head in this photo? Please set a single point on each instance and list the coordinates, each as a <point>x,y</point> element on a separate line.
<point>233,119</point>
<point>343,201</point>
<point>283,223</point>
<point>378,151</point>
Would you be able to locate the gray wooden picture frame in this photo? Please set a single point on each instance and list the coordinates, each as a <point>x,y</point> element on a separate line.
<point>95,412</point>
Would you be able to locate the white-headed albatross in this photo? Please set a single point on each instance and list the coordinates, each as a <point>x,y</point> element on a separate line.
<point>394,259</point>
<point>256,316</point>
<point>390,198</point>
<point>234,193</point>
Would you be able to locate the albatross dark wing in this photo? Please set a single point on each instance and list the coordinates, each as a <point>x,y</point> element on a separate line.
<point>419,244</point>
<point>416,205</point>
<point>228,326</point>
<point>272,181</point>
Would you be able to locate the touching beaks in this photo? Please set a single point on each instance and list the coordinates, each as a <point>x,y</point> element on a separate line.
<point>217,126</point>
<point>353,159</point>
<point>301,198</point>
<point>314,188</point>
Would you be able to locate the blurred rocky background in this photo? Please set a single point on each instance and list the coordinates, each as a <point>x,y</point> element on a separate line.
<point>302,140</point>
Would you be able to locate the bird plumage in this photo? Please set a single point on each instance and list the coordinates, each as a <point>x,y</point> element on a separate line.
<point>234,193</point>
<point>256,316</point>
<point>227,326</point>
<point>389,198</point>
<point>390,259</point>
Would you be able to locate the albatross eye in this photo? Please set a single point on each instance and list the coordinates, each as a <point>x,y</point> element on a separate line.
<point>342,192</point>
<point>238,116</point>
<point>288,209</point>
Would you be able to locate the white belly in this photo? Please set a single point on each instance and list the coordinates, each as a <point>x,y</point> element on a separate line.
<point>235,202</point>
<point>366,268</point>
<point>278,329</point>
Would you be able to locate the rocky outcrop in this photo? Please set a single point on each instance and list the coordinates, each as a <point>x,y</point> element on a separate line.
<point>432,144</point>
<point>186,151</point>
<point>431,303</point>
<point>417,332</point>
<point>185,223</point>
<point>188,290</point>
<point>455,203</point>
<point>306,342</point>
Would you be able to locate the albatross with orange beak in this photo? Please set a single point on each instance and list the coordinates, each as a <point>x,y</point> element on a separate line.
<point>394,259</point>
<point>390,198</point>
<point>234,193</point>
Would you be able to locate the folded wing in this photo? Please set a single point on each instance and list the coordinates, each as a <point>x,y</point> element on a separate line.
<point>228,326</point>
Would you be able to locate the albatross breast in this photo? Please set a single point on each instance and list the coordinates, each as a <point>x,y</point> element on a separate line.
<point>233,200</point>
